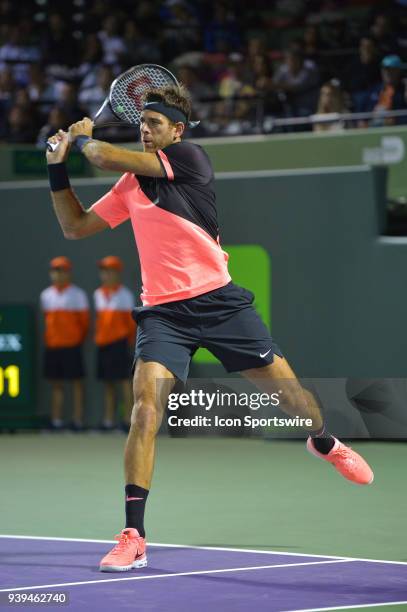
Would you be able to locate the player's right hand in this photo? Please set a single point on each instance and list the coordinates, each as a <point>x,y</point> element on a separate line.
<point>61,152</point>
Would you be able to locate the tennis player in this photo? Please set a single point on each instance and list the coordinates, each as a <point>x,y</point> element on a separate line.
<point>189,299</point>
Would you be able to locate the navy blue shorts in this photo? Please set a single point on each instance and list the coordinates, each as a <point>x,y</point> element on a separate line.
<point>224,321</point>
<point>114,361</point>
<point>63,363</point>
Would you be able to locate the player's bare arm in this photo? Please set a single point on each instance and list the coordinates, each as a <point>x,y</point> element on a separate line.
<point>109,157</point>
<point>75,221</point>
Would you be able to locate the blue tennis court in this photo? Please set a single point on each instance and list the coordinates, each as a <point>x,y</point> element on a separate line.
<point>187,578</point>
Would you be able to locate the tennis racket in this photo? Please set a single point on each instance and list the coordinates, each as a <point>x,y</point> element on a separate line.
<point>123,102</point>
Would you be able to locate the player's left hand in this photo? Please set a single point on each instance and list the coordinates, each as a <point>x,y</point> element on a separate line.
<point>80,128</point>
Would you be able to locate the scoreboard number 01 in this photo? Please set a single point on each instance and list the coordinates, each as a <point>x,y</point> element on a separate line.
<point>10,380</point>
<point>18,398</point>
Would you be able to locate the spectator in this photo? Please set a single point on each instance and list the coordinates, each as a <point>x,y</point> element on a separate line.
<point>222,33</point>
<point>233,78</point>
<point>198,90</point>
<point>146,13</point>
<point>58,45</point>
<point>231,82</point>
<point>391,95</point>
<point>114,337</point>
<point>256,45</point>
<point>68,102</point>
<point>363,74</point>
<point>139,47</point>
<point>92,59</point>
<point>383,34</point>
<point>401,26</point>
<point>18,53</point>
<point>112,42</point>
<point>66,312</point>
<point>180,31</point>
<point>41,90</point>
<point>7,89</point>
<point>258,100</point>
<point>331,102</point>
<point>96,12</point>
<point>312,43</point>
<point>262,82</point>
<point>91,99</point>
<point>297,82</point>
<point>7,84</point>
<point>22,98</point>
<point>337,35</point>
<point>57,119</point>
<point>7,12</point>
<point>19,128</point>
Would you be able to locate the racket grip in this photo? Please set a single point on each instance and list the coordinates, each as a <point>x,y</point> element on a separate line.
<point>52,146</point>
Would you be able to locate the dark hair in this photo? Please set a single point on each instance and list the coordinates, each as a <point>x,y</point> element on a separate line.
<point>176,96</point>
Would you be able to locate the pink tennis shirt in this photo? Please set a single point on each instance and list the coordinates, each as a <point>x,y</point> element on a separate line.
<point>175,225</point>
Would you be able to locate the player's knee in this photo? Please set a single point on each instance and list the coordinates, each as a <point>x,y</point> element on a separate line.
<point>144,417</point>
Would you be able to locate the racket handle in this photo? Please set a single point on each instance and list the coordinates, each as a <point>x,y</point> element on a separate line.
<point>52,146</point>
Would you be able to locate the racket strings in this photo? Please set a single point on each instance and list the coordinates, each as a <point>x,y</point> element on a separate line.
<point>126,95</point>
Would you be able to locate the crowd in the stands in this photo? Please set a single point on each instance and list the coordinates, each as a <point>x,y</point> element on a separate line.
<point>246,64</point>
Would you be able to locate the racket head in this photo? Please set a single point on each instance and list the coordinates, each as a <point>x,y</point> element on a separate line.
<point>123,103</point>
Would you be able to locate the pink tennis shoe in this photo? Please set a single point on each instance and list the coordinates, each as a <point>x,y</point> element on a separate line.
<point>346,461</point>
<point>129,552</point>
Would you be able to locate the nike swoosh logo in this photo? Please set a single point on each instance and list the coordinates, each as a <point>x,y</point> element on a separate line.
<point>264,354</point>
<point>133,498</point>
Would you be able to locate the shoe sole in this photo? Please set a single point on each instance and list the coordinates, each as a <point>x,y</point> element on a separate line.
<point>358,484</point>
<point>124,568</point>
<point>314,452</point>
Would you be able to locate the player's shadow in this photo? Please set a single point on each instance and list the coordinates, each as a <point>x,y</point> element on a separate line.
<point>92,566</point>
<point>6,559</point>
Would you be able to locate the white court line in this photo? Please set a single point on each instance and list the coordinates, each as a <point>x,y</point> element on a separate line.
<point>196,547</point>
<point>152,577</point>
<point>283,553</point>
<point>243,550</point>
<point>369,605</point>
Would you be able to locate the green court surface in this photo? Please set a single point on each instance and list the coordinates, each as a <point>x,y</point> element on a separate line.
<point>208,491</point>
<point>243,493</point>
